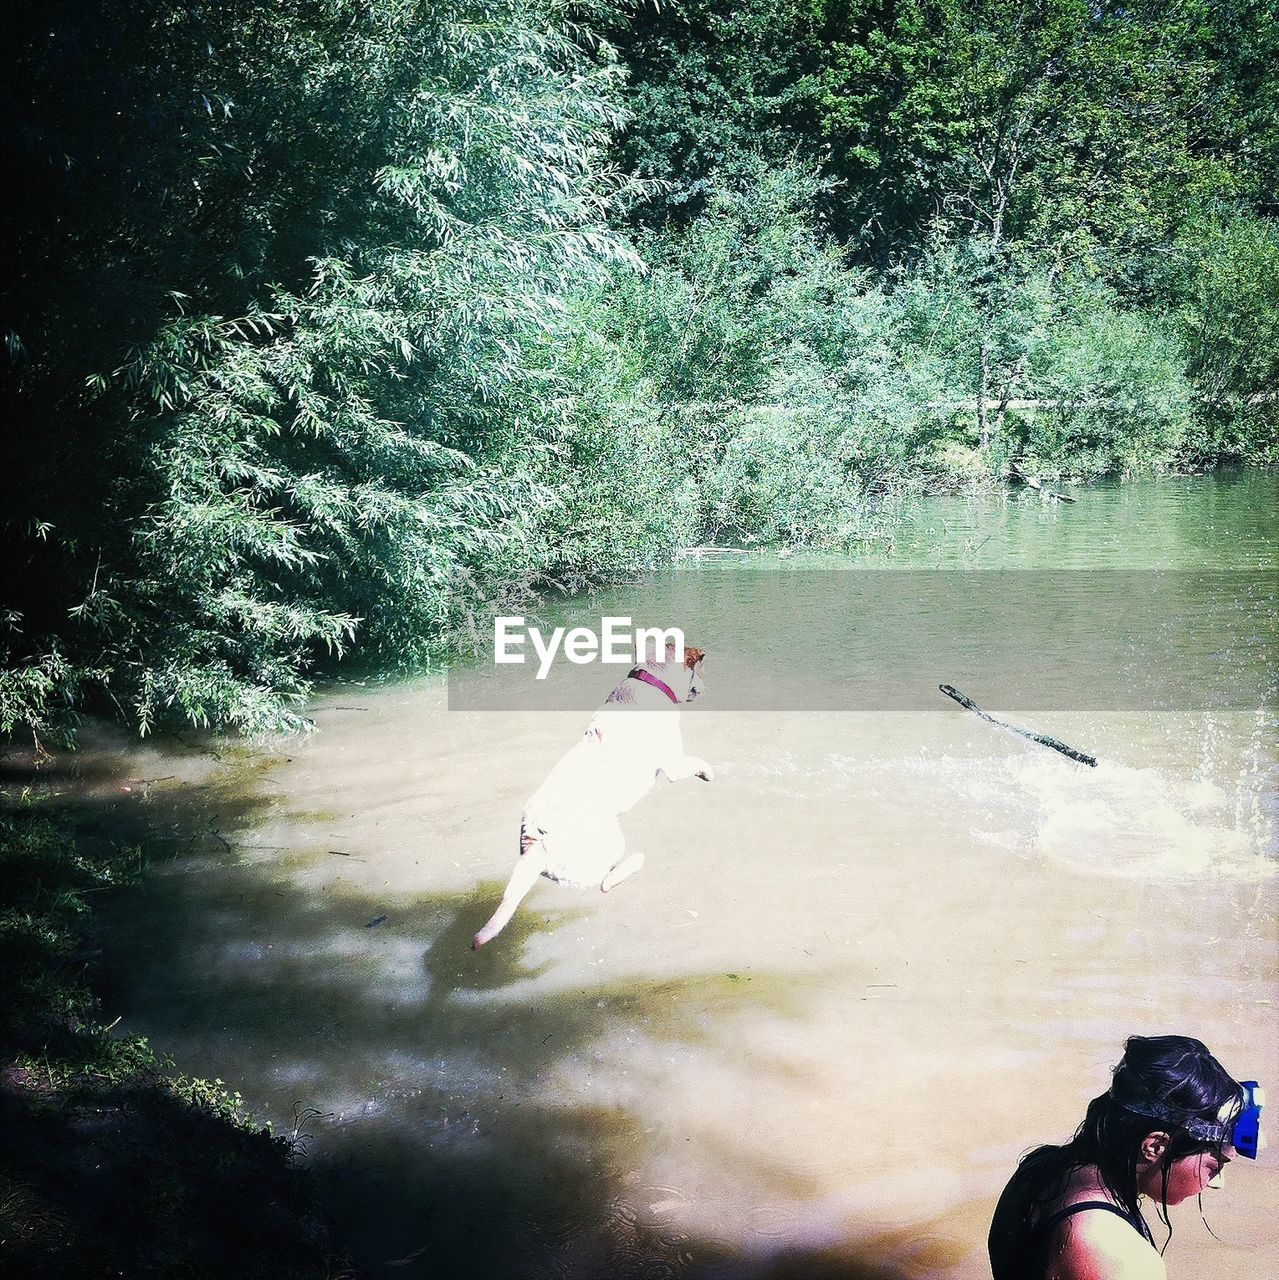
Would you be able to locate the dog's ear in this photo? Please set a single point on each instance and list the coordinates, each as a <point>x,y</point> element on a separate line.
<point>692,656</point>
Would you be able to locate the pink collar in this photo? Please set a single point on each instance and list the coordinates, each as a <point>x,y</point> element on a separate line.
<point>649,678</point>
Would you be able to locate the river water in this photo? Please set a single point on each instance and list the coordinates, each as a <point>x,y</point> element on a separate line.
<point>887,950</point>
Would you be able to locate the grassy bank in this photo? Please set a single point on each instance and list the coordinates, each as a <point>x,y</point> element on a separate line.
<point>112,1164</point>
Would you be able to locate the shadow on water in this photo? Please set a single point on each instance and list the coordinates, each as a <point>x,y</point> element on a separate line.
<point>439,1095</point>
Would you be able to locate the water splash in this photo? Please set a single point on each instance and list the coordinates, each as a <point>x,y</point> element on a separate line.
<point>1127,821</point>
<point>1116,820</point>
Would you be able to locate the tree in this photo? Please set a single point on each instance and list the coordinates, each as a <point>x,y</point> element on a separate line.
<point>713,89</point>
<point>285,279</point>
<point>1040,136</point>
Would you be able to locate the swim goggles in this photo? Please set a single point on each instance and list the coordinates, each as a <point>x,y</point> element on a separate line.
<point>1243,1132</point>
<point>1246,1137</point>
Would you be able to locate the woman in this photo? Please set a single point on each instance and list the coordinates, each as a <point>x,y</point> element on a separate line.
<point>1164,1130</point>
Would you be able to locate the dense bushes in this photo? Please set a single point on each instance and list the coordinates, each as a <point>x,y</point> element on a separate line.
<point>275,352</point>
<point>329,328</point>
<point>787,385</point>
<point>1228,284</point>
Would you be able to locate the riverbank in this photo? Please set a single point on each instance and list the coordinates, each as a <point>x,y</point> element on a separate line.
<point>112,1163</point>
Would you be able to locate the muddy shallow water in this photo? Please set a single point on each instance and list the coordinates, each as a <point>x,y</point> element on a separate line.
<point>882,954</point>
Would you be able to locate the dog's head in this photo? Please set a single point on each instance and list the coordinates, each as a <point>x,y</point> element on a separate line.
<point>693,660</point>
<point>683,679</point>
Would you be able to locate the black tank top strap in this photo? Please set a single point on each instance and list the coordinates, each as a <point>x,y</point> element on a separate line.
<point>1137,1223</point>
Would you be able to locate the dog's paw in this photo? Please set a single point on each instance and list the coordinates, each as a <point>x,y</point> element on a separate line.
<point>627,867</point>
<point>704,771</point>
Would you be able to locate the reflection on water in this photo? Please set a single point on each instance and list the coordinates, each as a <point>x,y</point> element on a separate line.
<point>882,954</point>
<point>1221,521</point>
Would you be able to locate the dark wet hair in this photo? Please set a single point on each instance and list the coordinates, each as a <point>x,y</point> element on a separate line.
<point>1175,1076</point>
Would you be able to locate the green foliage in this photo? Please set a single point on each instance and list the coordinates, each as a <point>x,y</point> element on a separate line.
<point>49,1019</point>
<point>1227,273</point>
<point>284,357</point>
<point>323,338</point>
<point>624,498</point>
<point>43,879</point>
<point>775,366</point>
<point>175,1159</point>
<point>713,88</point>
<point>721,298</point>
<point>1018,177</point>
<point>782,478</point>
<point>214,1097</point>
<point>1239,119</point>
<point>36,690</point>
<point>805,387</point>
<point>1078,382</point>
<point>1061,124</point>
<point>1115,394</point>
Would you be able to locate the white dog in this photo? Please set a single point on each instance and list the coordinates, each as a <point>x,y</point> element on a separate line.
<point>570,831</point>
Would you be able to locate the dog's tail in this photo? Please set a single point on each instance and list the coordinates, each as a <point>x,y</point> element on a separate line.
<point>531,865</point>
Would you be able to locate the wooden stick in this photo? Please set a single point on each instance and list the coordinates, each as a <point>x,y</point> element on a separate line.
<point>1042,738</point>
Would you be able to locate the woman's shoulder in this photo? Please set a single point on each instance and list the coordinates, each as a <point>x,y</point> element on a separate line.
<point>1065,1225</point>
<point>1093,1237</point>
<point>1098,1244</point>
